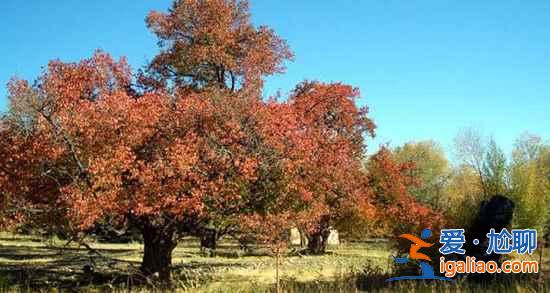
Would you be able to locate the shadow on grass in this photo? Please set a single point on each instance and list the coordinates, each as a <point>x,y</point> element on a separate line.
<point>54,267</point>
<point>19,253</point>
<point>42,268</point>
<point>45,277</point>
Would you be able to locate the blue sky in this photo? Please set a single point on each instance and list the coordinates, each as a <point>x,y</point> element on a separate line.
<point>425,68</point>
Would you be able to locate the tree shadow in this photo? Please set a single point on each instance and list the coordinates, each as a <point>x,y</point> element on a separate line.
<point>70,267</point>
<point>63,275</point>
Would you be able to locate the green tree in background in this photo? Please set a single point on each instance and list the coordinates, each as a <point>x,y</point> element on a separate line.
<point>431,168</point>
<point>544,160</point>
<point>494,170</point>
<point>530,183</point>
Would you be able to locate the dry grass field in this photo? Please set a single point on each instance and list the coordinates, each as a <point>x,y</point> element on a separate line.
<point>33,263</point>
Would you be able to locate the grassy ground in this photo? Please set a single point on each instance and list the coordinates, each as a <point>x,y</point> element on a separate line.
<point>34,262</point>
<point>30,262</point>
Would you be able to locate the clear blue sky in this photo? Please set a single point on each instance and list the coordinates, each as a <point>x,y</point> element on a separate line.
<point>425,68</point>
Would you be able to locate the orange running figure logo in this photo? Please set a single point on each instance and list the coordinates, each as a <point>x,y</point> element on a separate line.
<point>427,271</point>
<point>416,246</point>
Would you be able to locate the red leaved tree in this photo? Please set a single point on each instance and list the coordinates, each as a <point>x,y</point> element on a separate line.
<point>213,44</point>
<point>328,157</point>
<point>81,148</point>
<point>398,211</point>
<point>82,144</point>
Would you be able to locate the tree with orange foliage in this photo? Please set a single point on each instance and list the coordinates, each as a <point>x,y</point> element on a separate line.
<point>213,44</point>
<point>390,182</point>
<point>79,141</point>
<point>194,147</point>
<point>329,153</point>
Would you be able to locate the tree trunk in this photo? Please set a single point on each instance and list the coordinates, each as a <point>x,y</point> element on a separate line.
<point>209,240</point>
<point>317,241</point>
<point>157,255</point>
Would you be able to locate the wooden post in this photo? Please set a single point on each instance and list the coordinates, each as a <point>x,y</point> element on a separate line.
<point>277,258</point>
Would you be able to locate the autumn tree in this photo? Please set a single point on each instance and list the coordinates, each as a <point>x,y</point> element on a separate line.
<point>329,151</point>
<point>397,210</point>
<point>191,148</point>
<point>78,141</point>
<point>188,149</point>
<point>212,44</point>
